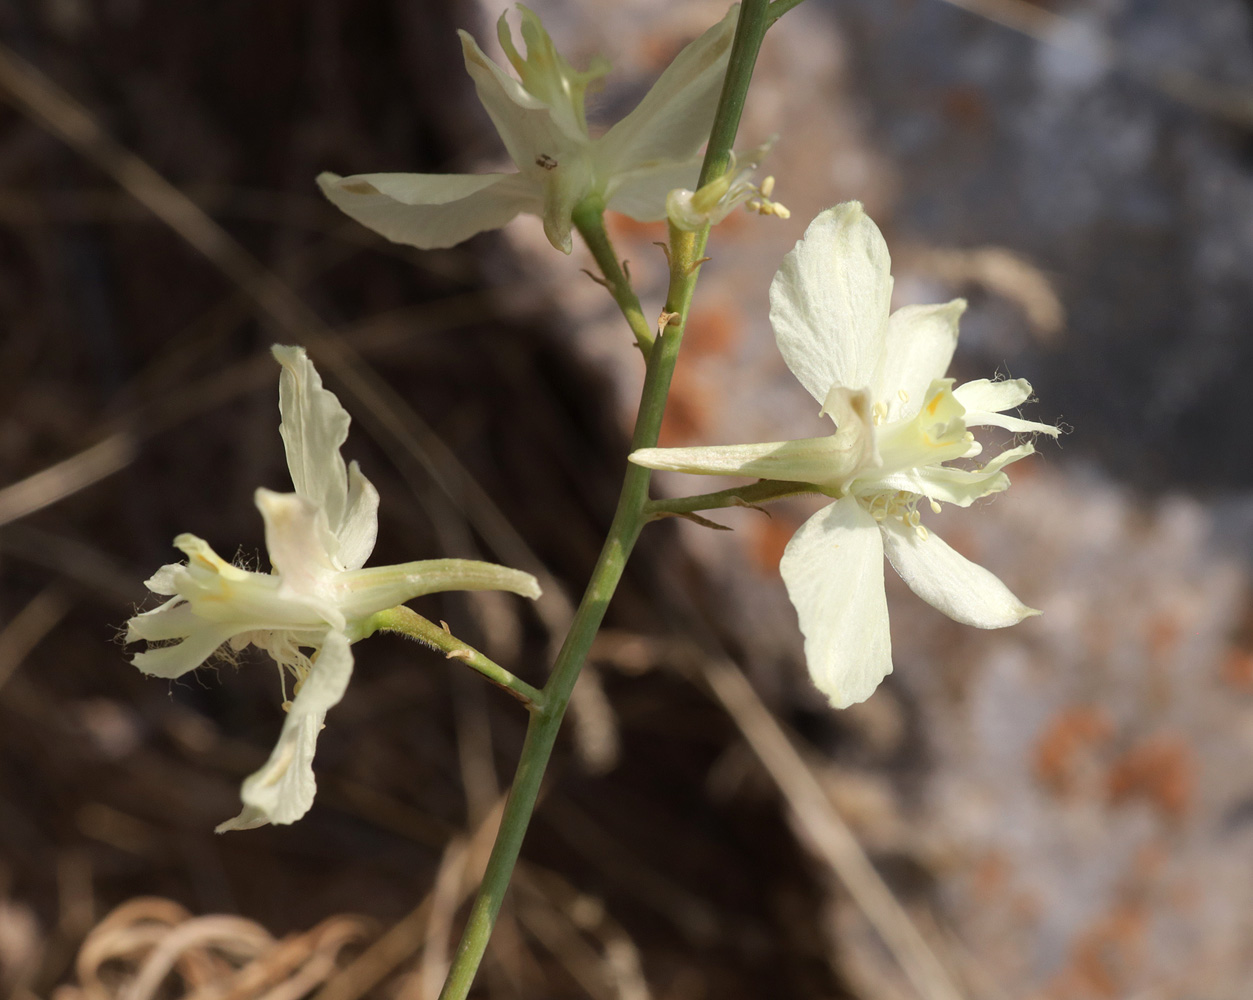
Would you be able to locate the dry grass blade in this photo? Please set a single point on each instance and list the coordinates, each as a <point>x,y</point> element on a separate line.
<point>61,480</point>
<point>445,898</point>
<point>29,626</point>
<point>407,936</point>
<point>829,835</point>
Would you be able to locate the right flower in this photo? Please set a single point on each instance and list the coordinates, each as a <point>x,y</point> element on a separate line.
<point>880,376</point>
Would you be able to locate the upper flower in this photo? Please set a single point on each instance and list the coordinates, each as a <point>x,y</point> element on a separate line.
<point>315,602</point>
<point>880,376</point>
<point>541,120</point>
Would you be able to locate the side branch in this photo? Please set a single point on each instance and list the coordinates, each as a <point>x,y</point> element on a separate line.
<point>408,622</point>
<point>737,496</point>
<point>589,220</point>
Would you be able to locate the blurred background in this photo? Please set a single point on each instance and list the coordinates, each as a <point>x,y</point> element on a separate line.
<point>1061,811</point>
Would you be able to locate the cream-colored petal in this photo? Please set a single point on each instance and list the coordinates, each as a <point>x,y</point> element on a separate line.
<point>431,211</point>
<point>282,790</point>
<point>809,460</point>
<point>829,301</point>
<point>830,462</point>
<point>994,396</point>
<point>985,400</point>
<point>365,591</point>
<point>917,350</point>
<point>314,427</point>
<point>948,581</point>
<point>526,124</point>
<point>165,580</point>
<point>359,528</point>
<point>674,118</point>
<point>176,660</point>
<point>833,569</point>
<point>174,619</point>
<point>962,487</point>
<point>641,193</point>
<point>298,541</point>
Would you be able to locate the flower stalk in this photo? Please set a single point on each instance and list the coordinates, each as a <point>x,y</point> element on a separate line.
<point>686,251</point>
<point>589,220</point>
<point>405,621</point>
<point>737,496</point>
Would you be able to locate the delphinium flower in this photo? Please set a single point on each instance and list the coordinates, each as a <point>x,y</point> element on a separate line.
<point>542,122</point>
<point>315,603</point>
<point>880,376</point>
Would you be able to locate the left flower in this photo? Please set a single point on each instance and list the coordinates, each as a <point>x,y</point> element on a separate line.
<point>541,120</point>
<point>315,602</point>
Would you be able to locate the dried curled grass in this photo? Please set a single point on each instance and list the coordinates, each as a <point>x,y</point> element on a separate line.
<point>151,948</point>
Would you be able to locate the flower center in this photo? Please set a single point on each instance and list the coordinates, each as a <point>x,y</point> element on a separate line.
<point>900,505</point>
<point>934,435</point>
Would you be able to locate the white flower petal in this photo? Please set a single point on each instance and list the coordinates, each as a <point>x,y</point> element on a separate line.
<point>432,211</point>
<point>808,460</point>
<point>833,568</point>
<point>830,462</point>
<point>174,619</point>
<point>165,580</point>
<point>985,394</point>
<point>917,350</point>
<point>365,591</point>
<point>359,528</point>
<point>956,486</point>
<point>986,400</point>
<point>282,791</point>
<point>527,126</point>
<point>950,582</point>
<point>178,659</point>
<point>314,427</point>
<point>829,302</point>
<point>642,193</point>
<point>298,541</point>
<point>674,118</point>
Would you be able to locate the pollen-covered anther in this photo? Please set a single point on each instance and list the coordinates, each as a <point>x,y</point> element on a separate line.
<point>879,413</point>
<point>761,203</point>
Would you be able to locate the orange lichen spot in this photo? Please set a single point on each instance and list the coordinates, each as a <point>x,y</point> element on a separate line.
<point>1067,744</point>
<point>990,877</point>
<point>1108,958</point>
<point>1160,771</point>
<point>769,538</point>
<point>1237,669</point>
<point>965,107</point>
<point>1164,631</point>
<point>689,411</point>
<point>710,331</point>
<point>623,227</point>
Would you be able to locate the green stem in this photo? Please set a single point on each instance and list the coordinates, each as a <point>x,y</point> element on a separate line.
<point>408,622</point>
<point>736,496</point>
<point>629,519</point>
<point>589,220</point>
<point>780,7</point>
